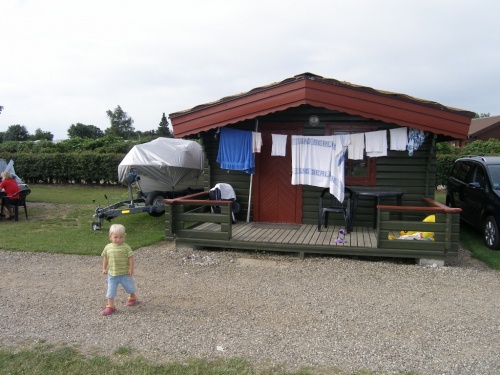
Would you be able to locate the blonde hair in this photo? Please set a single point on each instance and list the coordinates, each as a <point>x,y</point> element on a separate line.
<point>117,228</point>
<point>6,175</point>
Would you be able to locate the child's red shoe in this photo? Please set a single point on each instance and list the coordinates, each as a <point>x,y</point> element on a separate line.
<point>108,310</point>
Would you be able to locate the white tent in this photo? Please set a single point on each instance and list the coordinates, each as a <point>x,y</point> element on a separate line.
<point>164,164</point>
<point>9,167</point>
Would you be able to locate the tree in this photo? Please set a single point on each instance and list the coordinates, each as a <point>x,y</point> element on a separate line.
<point>16,133</point>
<point>482,115</point>
<point>79,130</point>
<point>42,135</point>
<point>163,129</point>
<point>1,108</point>
<point>121,124</point>
<point>147,134</point>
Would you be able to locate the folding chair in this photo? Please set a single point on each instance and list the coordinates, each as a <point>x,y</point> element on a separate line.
<point>16,203</point>
<point>333,206</point>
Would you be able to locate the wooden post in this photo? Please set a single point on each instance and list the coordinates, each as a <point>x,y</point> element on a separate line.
<point>169,229</point>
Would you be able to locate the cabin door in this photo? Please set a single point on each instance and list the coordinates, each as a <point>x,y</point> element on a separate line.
<point>276,200</point>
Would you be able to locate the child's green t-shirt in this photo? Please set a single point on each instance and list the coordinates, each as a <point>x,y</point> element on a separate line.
<point>118,261</point>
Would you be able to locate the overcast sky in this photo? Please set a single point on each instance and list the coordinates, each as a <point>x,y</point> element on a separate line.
<point>66,62</point>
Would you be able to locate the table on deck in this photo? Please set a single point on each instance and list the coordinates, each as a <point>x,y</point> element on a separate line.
<point>377,193</point>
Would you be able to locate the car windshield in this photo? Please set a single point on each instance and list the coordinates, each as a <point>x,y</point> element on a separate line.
<point>495,175</point>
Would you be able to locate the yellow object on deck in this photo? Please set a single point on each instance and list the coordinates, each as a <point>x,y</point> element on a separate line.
<point>414,235</point>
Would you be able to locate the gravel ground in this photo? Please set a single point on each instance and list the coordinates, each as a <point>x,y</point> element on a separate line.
<point>330,312</point>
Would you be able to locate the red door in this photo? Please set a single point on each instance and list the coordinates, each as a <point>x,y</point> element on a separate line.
<point>276,200</point>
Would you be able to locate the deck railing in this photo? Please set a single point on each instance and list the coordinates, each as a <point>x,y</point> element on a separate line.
<point>186,217</point>
<point>446,228</point>
<point>183,214</point>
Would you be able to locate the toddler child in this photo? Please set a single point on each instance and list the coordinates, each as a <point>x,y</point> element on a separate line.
<point>118,264</point>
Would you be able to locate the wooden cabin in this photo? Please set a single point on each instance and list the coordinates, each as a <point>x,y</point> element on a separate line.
<point>276,215</point>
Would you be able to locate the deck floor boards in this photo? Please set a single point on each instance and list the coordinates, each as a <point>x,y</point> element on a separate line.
<point>306,234</point>
<point>306,239</point>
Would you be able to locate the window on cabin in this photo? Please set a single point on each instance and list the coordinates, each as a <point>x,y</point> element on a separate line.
<point>357,172</point>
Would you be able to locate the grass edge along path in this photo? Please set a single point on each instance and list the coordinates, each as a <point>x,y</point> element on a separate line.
<point>42,358</point>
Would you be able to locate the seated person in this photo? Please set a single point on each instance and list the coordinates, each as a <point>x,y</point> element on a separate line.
<point>10,190</point>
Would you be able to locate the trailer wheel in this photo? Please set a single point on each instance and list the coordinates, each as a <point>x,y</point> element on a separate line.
<point>96,226</point>
<point>156,199</point>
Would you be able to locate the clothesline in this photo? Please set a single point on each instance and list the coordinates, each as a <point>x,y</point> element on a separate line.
<point>316,160</point>
<point>374,143</point>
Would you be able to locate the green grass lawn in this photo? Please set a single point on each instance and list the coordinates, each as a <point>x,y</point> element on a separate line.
<point>60,221</point>
<point>473,241</point>
<point>45,359</point>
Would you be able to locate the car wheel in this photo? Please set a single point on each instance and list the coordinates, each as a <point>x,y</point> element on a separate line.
<point>490,233</point>
<point>156,199</point>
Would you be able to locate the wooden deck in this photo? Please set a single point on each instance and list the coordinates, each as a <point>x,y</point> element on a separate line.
<point>189,222</point>
<point>283,234</point>
<point>300,239</point>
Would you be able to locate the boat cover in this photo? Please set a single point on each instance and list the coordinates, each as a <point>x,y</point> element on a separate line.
<point>166,161</point>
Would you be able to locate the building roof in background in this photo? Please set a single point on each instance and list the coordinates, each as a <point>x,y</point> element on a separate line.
<point>482,125</point>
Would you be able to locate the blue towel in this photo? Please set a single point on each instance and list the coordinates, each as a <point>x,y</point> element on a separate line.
<point>235,150</point>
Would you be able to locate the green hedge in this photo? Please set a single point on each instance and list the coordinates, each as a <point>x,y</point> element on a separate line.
<point>95,168</point>
<point>102,168</point>
<point>443,168</point>
<point>79,168</point>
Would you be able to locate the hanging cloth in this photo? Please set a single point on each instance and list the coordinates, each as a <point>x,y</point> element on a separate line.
<point>399,139</point>
<point>256,141</point>
<point>279,145</point>
<point>337,170</point>
<point>415,139</point>
<point>376,143</point>
<point>319,161</point>
<point>311,160</point>
<point>356,148</point>
<point>235,150</point>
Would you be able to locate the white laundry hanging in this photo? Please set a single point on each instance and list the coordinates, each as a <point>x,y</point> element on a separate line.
<point>337,176</point>
<point>311,160</point>
<point>278,147</point>
<point>399,138</point>
<point>376,143</point>
<point>356,148</point>
<point>319,161</point>
<point>256,142</point>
